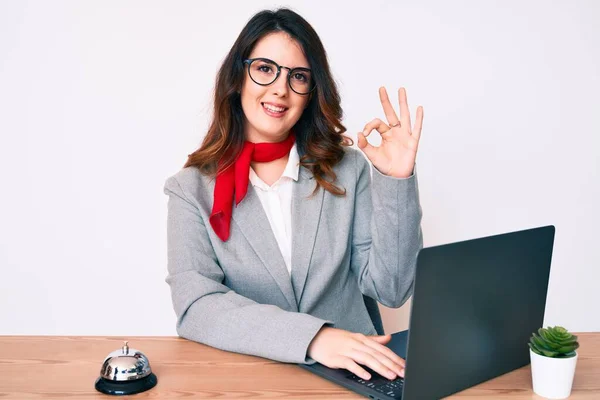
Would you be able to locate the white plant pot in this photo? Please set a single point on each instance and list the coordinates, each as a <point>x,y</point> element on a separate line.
<point>552,377</point>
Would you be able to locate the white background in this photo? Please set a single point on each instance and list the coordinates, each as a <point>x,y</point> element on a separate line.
<point>101,101</point>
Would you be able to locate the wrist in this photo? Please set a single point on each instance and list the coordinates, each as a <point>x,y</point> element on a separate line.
<point>314,342</point>
<point>396,174</point>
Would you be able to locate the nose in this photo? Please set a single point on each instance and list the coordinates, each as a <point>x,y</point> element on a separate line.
<point>280,86</point>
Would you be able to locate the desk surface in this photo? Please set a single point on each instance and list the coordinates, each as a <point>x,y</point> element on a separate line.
<point>62,367</point>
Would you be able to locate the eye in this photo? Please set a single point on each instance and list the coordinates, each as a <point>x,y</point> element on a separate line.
<point>299,76</point>
<point>265,68</point>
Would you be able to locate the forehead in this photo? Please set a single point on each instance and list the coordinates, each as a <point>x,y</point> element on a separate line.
<point>282,49</point>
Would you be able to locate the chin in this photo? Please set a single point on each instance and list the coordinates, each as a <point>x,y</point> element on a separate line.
<point>274,131</point>
<point>274,135</point>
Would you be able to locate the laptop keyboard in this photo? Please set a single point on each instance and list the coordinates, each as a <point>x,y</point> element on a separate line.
<point>380,383</point>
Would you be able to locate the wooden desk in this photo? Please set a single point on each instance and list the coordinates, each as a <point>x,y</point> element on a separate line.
<point>57,367</point>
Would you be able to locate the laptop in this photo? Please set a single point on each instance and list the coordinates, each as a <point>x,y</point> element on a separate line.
<point>475,304</point>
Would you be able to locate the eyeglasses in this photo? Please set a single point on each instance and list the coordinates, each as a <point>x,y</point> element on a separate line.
<point>264,72</point>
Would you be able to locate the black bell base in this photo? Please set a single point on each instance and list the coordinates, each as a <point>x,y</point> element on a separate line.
<point>122,388</point>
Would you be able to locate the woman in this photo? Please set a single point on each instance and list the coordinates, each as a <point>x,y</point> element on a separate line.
<point>278,246</point>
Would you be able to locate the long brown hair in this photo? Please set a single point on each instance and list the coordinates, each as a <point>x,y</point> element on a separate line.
<point>319,131</point>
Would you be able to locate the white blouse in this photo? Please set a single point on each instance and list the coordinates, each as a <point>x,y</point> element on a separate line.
<point>277,203</point>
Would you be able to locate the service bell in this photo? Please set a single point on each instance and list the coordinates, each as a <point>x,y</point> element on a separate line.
<point>125,371</point>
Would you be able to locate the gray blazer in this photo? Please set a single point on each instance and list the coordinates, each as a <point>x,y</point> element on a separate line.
<point>347,254</point>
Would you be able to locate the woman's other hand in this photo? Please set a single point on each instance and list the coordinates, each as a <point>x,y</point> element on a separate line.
<point>399,143</point>
<point>337,348</point>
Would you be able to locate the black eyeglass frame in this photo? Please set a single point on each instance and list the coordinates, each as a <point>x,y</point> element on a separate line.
<point>249,61</point>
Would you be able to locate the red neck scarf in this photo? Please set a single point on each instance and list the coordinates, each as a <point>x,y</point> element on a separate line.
<point>236,177</point>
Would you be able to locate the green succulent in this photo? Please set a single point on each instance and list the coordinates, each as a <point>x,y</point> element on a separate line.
<point>554,342</point>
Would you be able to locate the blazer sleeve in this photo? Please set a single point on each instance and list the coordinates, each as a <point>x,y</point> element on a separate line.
<point>211,313</point>
<point>387,234</point>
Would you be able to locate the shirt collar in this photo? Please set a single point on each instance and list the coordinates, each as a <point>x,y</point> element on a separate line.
<point>293,164</point>
<point>291,169</point>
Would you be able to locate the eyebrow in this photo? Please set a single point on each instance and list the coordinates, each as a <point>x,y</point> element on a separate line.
<point>278,62</point>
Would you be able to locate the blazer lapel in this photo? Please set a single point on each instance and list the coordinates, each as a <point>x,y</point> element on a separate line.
<point>250,216</point>
<point>306,214</point>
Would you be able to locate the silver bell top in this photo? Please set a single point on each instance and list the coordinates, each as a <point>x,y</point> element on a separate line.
<point>125,364</point>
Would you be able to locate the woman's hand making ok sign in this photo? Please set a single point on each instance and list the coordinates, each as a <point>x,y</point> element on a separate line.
<point>399,143</point>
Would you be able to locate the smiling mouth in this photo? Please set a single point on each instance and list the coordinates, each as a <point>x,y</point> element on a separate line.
<point>273,108</point>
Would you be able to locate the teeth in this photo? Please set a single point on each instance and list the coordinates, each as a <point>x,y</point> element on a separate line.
<point>273,108</point>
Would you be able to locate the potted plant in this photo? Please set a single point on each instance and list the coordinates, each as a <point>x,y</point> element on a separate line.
<point>553,361</point>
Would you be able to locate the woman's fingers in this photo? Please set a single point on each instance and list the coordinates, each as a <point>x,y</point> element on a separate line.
<point>371,345</point>
<point>388,110</point>
<point>404,112</point>
<point>336,348</point>
<point>383,358</point>
<point>376,124</point>
<point>376,343</point>
<point>418,124</point>
<point>356,369</point>
<point>365,146</point>
<point>396,363</point>
<point>372,362</point>
<point>380,338</point>
<point>363,143</point>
